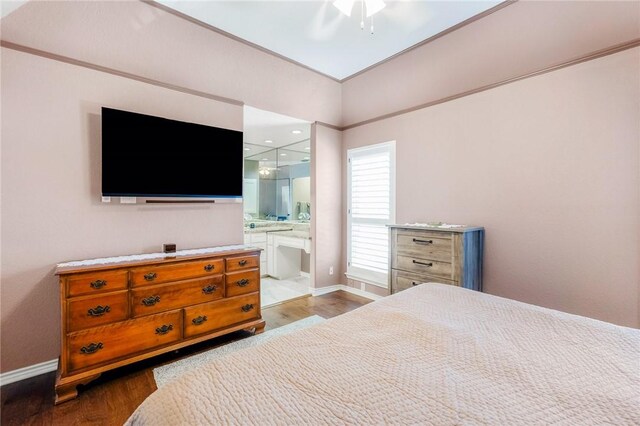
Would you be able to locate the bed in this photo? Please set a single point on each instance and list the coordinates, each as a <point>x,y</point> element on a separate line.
<point>433,355</point>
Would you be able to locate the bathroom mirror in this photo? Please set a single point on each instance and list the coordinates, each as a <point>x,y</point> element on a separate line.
<point>277,159</point>
<point>278,183</point>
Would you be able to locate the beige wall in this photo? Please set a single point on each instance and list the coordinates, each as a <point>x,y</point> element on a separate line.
<point>550,167</point>
<point>51,208</point>
<point>326,205</point>
<point>521,38</point>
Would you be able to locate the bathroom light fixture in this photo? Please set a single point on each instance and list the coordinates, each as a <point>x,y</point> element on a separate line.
<point>268,141</point>
<point>296,132</point>
<point>264,171</point>
<point>372,6</point>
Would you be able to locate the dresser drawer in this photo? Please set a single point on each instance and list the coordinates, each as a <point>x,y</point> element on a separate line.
<point>96,282</point>
<point>424,245</point>
<point>242,262</point>
<point>111,342</point>
<point>92,311</point>
<point>424,267</point>
<point>158,298</point>
<point>164,273</point>
<point>401,280</point>
<point>212,316</point>
<point>242,283</point>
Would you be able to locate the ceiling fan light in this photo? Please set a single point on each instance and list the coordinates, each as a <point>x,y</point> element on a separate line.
<point>373,6</point>
<point>344,6</point>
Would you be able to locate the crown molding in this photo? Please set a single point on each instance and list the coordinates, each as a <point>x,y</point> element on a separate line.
<point>232,36</point>
<point>443,33</point>
<point>588,57</point>
<point>77,62</point>
<point>215,29</point>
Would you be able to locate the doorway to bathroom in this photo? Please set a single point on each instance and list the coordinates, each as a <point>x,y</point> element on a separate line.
<point>277,202</point>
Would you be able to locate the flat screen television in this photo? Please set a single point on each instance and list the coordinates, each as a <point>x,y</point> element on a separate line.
<point>153,157</point>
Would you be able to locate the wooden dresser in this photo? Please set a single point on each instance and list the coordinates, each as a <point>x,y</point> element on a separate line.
<point>422,254</point>
<point>116,311</point>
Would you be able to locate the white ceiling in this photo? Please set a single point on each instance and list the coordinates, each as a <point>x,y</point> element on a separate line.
<point>317,35</point>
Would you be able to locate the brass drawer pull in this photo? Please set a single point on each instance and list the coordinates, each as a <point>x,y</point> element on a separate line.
<point>164,329</point>
<point>208,267</point>
<point>98,284</point>
<point>209,289</point>
<point>98,311</point>
<point>92,348</point>
<point>428,265</point>
<point>150,276</point>
<point>247,307</point>
<point>199,320</point>
<point>151,300</point>
<point>415,240</point>
<point>242,262</point>
<point>243,282</point>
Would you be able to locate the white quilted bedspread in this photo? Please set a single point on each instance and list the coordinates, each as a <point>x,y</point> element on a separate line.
<point>431,355</point>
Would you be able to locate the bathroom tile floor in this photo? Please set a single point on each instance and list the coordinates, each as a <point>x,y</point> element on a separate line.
<point>275,291</point>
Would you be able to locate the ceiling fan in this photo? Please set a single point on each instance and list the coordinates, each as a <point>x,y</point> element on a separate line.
<point>372,7</point>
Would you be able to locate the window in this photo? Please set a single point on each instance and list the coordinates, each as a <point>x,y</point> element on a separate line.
<point>371,206</point>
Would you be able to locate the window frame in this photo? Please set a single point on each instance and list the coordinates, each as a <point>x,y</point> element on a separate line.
<point>361,274</point>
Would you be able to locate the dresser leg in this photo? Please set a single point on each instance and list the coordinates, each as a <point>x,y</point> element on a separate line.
<point>68,391</point>
<point>257,329</point>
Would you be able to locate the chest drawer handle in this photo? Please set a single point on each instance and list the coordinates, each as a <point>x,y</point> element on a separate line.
<point>164,329</point>
<point>151,300</point>
<point>92,348</point>
<point>209,289</point>
<point>242,262</point>
<point>150,276</point>
<point>98,284</point>
<point>199,320</point>
<point>208,268</point>
<point>415,240</point>
<point>428,265</point>
<point>98,311</point>
<point>243,282</point>
<point>247,307</point>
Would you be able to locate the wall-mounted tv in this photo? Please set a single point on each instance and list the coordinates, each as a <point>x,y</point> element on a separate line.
<point>153,157</point>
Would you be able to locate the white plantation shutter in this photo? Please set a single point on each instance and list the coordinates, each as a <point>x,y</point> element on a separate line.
<point>371,199</point>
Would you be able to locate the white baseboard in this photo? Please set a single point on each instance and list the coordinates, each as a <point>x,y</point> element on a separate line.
<point>324,290</point>
<point>28,372</point>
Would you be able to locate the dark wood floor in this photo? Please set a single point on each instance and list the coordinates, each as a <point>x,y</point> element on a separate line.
<point>112,398</point>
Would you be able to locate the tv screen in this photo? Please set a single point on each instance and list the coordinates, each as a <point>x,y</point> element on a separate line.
<point>147,156</point>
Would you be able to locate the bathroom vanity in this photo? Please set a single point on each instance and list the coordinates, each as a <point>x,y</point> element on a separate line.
<point>282,244</point>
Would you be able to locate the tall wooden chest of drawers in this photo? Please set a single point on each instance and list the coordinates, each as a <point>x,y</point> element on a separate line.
<point>421,254</point>
<point>116,311</point>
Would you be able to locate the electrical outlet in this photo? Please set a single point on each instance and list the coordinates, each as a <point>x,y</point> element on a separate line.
<point>330,270</point>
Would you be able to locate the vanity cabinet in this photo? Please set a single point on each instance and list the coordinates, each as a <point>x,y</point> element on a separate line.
<point>259,239</point>
<point>284,249</point>
<point>421,254</point>
<point>116,311</point>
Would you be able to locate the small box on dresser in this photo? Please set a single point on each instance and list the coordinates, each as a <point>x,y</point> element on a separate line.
<point>420,254</point>
<point>116,311</point>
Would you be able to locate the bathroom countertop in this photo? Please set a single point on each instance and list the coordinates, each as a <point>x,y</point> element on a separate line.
<point>259,229</point>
